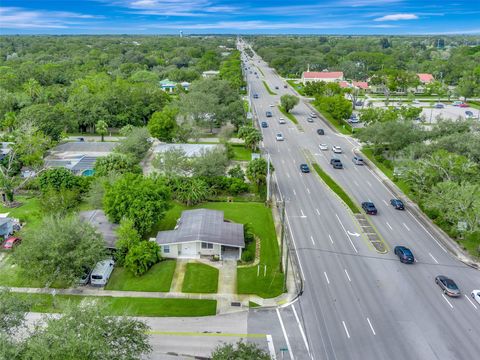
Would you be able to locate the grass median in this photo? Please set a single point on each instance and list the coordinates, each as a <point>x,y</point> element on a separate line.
<point>336,188</point>
<point>268,88</point>
<point>342,128</point>
<point>288,115</point>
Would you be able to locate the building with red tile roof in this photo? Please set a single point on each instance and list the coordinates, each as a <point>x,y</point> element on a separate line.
<point>327,76</point>
<point>426,78</point>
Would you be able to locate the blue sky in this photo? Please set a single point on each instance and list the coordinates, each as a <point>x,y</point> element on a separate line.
<point>239,16</point>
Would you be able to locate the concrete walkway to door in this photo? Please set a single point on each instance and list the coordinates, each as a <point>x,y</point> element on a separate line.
<point>178,276</point>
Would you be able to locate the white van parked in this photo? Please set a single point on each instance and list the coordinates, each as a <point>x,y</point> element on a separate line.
<point>101,273</point>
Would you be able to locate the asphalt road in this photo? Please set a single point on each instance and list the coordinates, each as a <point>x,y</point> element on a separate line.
<point>358,304</point>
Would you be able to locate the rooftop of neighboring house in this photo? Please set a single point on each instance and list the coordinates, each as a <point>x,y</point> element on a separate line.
<point>323,74</point>
<point>426,78</point>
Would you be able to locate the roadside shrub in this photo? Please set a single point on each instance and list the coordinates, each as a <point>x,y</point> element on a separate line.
<point>142,256</point>
<point>247,255</point>
<point>237,186</point>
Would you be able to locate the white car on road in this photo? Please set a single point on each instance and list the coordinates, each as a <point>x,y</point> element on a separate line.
<point>271,105</point>
<point>323,147</point>
<point>476,295</point>
<point>279,137</point>
<point>281,121</point>
<point>337,149</point>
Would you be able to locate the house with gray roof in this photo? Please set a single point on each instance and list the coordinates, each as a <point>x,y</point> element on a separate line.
<point>99,221</point>
<point>202,233</point>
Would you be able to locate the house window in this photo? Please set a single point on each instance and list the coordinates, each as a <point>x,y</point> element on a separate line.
<point>166,249</point>
<point>207,245</point>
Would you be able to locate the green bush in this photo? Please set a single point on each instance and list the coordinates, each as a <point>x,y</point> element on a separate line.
<point>247,256</point>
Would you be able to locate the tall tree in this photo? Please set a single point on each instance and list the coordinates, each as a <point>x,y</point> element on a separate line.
<point>163,124</point>
<point>59,249</point>
<point>102,128</point>
<point>288,102</point>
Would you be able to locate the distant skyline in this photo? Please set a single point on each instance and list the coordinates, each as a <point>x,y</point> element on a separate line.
<point>356,17</point>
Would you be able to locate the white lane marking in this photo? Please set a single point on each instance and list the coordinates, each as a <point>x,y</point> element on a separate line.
<point>356,183</point>
<point>326,277</point>
<point>308,190</point>
<point>385,202</point>
<point>470,301</point>
<point>330,236</point>
<point>294,245</point>
<point>303,215</point>
<point>343,227</point>
<point>348,276</point>
<point>288,175</point>
<point>448,302</point>
<point>285,335</point>
<point>371,327</point>
<point>346,330</point>
<point>294,192</point>
<point>369,183</point>
<point>389,225</point>
<point>318,212</point>
<point>301,330</point>
<point>406,227</point>
<point>313,241</point>
<point>433,258</point>
<point>271,347</point>
<point>423,227</point>
<point>356,169</point>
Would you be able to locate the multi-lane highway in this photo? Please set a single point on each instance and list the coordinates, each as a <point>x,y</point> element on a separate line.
<point>357,303</point>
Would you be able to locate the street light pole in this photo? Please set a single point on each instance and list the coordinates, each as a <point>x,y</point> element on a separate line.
<point>268,177</point>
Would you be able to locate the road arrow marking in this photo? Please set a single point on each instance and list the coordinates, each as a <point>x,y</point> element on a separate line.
<point>353,234</point>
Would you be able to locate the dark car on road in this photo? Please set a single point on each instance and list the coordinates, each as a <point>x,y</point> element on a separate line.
<point>268,114</point>
<point>447,285</point>
<point>404,254</point>
<point>369,208</point>
<point>255,96</point>
<point>264,124</point>
<point>397,204</point>
<point>284,86</point>
<point>304,168</point>
<point>336,163</point>
<point>276,87</point>
<point>320,132</point>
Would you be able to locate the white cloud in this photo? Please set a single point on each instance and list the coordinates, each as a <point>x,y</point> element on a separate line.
<point>19,18</point>
<point>396,17</point>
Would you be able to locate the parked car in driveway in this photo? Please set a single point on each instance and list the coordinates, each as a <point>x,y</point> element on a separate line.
<point>336,163</point>
<point>304,168</point>
<point>448,286</point>
<point>369,208</point>
<point>397,204</point>
<point>404,254</point>
<point>476,295</point>
<point>357,160</point>
<point>264,124</point>
<point>11,242</point>
<point>279,137</point>
<point>323,147</point>
<point>337,149</point>
<point>320,132</point>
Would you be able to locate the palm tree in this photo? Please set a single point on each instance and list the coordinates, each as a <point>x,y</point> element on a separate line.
<point>102,128</point>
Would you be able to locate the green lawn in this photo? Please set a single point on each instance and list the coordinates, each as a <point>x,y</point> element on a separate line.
<point>268,88</point>
<point>241,153</point>
<point>158,278</point>
<point>29,212</point>
<point>298,87</point>
<point>261,220</point>
<point>125,306</point>
<point>200,278</point>
<point>288,115</point>
<point>336,188</point>
<point>13,276</point>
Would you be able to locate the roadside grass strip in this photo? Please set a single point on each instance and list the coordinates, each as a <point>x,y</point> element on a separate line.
<point>268,88</point>
<point>341,128</point>
<point>288,115</point>
<point>128,306</point>
<point>259,69</point>
<point>337,189</point>
<point>241,153</point>
<point>200,278</point>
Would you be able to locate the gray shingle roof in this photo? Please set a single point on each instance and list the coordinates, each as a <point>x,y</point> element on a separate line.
<point>86,147</point>
<point>107,229</point>
<point>204,225</point>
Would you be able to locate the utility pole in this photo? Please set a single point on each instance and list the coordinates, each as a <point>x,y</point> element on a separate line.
<point>286,270</point>
<point>282,233</point>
